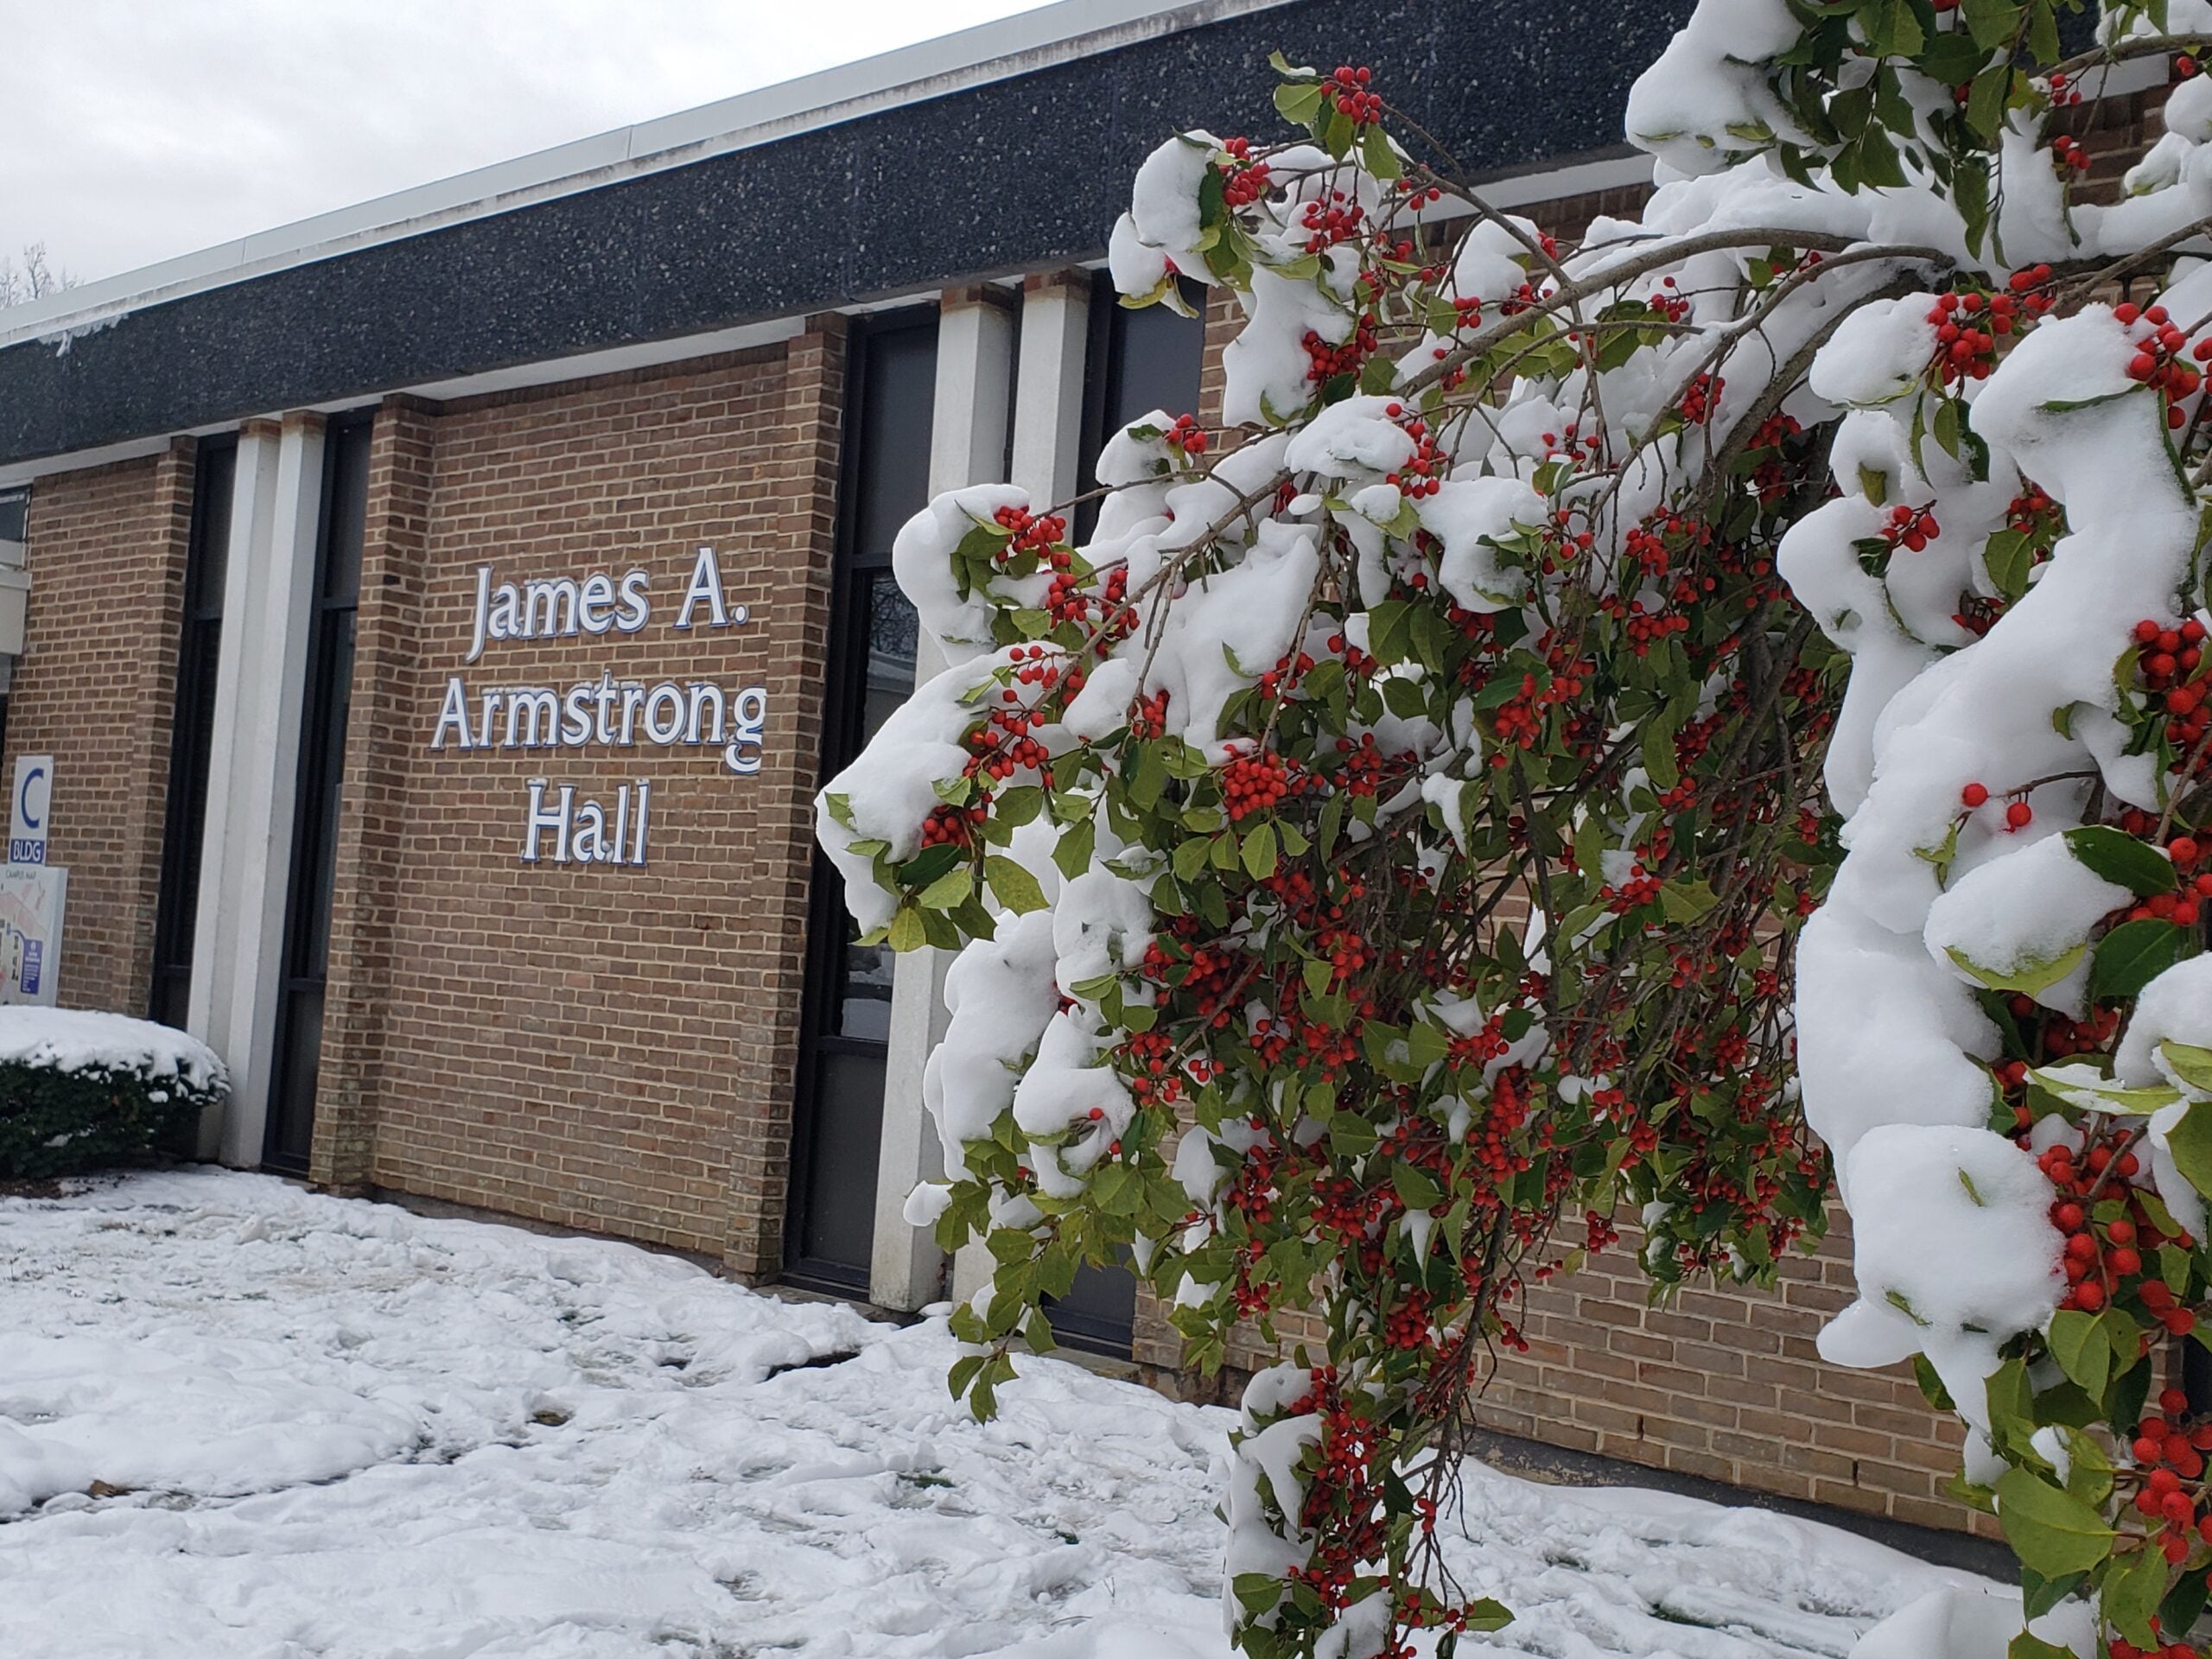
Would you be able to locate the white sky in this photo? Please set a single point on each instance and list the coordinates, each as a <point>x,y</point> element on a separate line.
<point>137,129</point>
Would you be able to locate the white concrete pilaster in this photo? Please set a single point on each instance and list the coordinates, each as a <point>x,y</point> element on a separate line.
<point>1047,444</point>
<point>968,439</point>
<point>253,770</point>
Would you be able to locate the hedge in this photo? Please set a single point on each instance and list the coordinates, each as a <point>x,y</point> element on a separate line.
<point>81,1091</point>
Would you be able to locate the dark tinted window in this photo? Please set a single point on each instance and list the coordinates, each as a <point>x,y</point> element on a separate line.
<point>1139,361</point>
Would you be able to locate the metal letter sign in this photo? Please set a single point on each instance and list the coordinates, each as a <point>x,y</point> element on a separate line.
<point>33,790</point>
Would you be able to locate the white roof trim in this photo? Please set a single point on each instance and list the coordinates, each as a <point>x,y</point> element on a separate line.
<point>997,51</point>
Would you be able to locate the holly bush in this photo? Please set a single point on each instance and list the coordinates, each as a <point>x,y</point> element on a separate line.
<point>1381,857</point>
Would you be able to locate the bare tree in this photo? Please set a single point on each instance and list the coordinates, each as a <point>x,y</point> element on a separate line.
<point>33,278</point>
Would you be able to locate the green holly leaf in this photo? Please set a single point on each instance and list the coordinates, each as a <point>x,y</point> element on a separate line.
<point>2189,1141</point>
<point>2079,1343</point>
<point>2052,1531</point>
<point>2034,975</point>
<point>2082,1087</point>
<point>907,932</point>
<point>948,890</point>
<point>1015,888</point>
<point>2121,859</point>
<point>2131,955</point>
<point>2131,1593</point>
<point>1299,104</point>
<point>2192,1065</point>
<point>1417,1188</point>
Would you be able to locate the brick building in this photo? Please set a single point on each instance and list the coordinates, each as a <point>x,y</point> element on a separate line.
<point>444,611</point>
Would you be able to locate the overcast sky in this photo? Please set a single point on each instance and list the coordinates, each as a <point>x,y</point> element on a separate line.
<point>137,129</point>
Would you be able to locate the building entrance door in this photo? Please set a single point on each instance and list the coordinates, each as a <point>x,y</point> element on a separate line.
<point>837,1124</point>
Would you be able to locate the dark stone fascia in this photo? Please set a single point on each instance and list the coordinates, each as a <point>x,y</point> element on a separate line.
<point>1013,175</point>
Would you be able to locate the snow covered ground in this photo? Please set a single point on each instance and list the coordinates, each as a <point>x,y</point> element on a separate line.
<point>340,1429</point>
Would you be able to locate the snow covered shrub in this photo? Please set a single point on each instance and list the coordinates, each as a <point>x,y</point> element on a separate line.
<point>1391,840</point>
<point>80,1091</point>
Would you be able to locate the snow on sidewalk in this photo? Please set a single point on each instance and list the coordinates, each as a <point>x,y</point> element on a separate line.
<point>345,1430</point>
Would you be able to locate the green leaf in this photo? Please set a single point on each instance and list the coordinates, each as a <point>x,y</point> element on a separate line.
<point>1416,1186</point>
<point>1487,1615</point>
<point>1015,807</point>
<point>2131,955</point>
<point>1016,888</point>
<point>1993,24</point>
<point>2183,1603</point>
<point>2077,1085</point>
<point>1191,856</point>
<point>1258,852</point>
<point>2034,975</point>
<point>1071,857</point>
<point>1685,901</point>
<point>2190,1140</point>
<point>2083,1350</point>
<point>2192,1065</point>
<point>1658,746</point>
<point>907,932</point>
<point>1299,104</point>
<point>2052,1531</point>
<point>1985,100</point>
<point>2009,556</point>
<point>2120,858</point>
<point>948,890</point>
<point>2131,1593</point>
<point>2024,1646</point>
<point>1378,157</point>
<point>925,868</point>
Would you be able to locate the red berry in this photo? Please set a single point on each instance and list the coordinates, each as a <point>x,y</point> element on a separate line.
<point>1974,794</point>
<point>2019,815</point>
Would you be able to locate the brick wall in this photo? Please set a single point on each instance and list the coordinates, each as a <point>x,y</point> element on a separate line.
<point>609,1048</point>
<point>96,688</point>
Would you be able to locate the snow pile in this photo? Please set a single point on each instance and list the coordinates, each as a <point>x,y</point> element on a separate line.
<point>353,1433</point>
<point>66,1040</point>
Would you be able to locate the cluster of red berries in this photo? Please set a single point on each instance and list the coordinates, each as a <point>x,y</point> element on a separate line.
<point>1967,328</point>
<point>1187,435</point>
<point>2019,814</point>
<point>2061,1038</point>
<point>2172,1452</point>
<point>1643,629</point>
<point>1349,87</point>
<point>1331,219</point>
<point>1243,181</point>
<point>1520,719</point>
<point>2070,156</point>
<point>1068,601</point>
<point>1256,783</point>
<point>1285,675</point>
<point>1325,362</point>
<point>1041,534</point>
<point>1640,889</point>
<point>2158,360</point>
<point>2169,656</point>
<point>1700,397</point>
<point>1148,716</point>
<point>2065,93</point>
<point>1912,528</point>
<point>1422,473</point>
<point>951,826</point>
<point>1669,303</point>
<point>2185,908</point>
<point>2100,1257</point>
